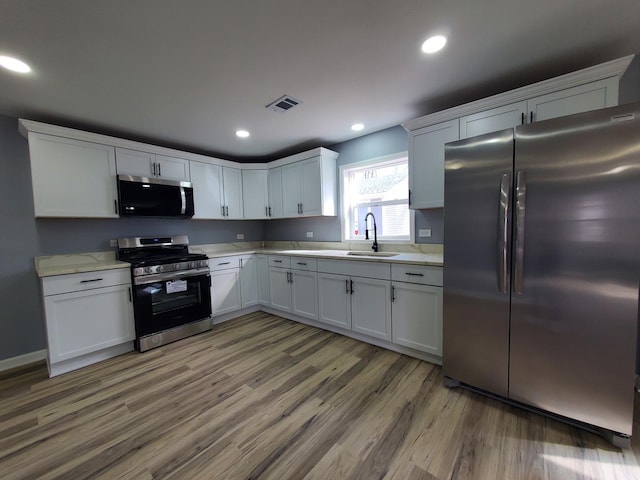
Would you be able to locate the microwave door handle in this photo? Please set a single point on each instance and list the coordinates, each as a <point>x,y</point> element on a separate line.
<point>183,197</point>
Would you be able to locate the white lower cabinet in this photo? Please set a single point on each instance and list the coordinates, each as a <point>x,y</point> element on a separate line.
<point>248,280</point>
<point>371,307</point>
<point>88,316</point>
<point>293,285</point>
<point>233,283</point>
<point>417,317</point>
<point>225,291</point>
<point>334,300</point>
<point>262,274</point>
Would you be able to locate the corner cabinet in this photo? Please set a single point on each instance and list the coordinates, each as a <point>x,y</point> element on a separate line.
<point>88,317</point>
<point>72,178</point>
<point>589,89</point>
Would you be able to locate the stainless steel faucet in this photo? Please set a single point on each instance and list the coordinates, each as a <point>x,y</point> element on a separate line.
<point>374,247</point>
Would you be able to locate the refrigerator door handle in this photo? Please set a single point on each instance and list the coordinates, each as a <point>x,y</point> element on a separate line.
<point>521,195</point>
<point>503,231</point>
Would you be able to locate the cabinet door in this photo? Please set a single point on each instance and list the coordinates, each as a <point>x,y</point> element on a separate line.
<point>280,288</point>
<point>416,315</point>
<point>371,307</point>
<point>225,291</point>
<point>232,187</point>
<point>334,300</point>
<point>493,120</point>
<point>304,291</point>
<point>255,194</point>
<point>262,266</point>
<point>291,190</point>
<point>275,193</point>
<point>248,280</point>
<point>172,168</point>
<point>311,182</point>
<point>582,98</point>
<point>426,163</point>
<point>87,321</point>
<point>72,178</point>
<point>134,162</point>
<point>207,190</point>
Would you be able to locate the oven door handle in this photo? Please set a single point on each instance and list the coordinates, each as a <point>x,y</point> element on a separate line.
<point>160,277</point>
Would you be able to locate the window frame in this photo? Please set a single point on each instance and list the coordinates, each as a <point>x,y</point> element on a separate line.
<point>344,208</point>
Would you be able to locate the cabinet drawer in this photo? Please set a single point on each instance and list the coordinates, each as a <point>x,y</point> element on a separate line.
<point>355,268</point>
<point>279,261</point>
<point>304,263</point>
<point>224,263</point>
<point>424,275</point>
<point>75,282</point>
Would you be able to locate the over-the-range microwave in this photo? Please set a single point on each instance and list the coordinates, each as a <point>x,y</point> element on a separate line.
<point>153,197</point>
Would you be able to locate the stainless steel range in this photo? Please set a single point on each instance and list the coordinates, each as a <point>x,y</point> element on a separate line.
<point>171,289</point>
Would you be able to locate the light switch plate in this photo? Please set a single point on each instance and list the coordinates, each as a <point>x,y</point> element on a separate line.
<point>309,234</point>
<point>240,236</point>
<point>113,243</point>
<point>424,232</point>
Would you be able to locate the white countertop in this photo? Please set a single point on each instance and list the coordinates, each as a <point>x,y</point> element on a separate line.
<point>90,262</point>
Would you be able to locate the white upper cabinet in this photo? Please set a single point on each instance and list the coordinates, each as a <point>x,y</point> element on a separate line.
<point>72,178</point>
<point>217,192</point>
<point>493,120</point>
<point>589,89</point>
<point>582,98</point>
<point>145,164</point>
<point>232,193</point>
<point>309,186</point>
<point>207,190</point>
<point>276,209</point>
<point>255,194</point>
<point>426,163</point>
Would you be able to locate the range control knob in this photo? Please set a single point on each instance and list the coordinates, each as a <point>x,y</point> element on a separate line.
<point>147,269</point>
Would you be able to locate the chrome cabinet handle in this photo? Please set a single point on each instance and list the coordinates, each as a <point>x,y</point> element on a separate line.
<point>130,297</point>
<point>302,209</point>
<point>503,230</point>
<point>521,196</point>
<point>154,168</point>
<point>346,285</point>
<point>277,261</point>
<point>302,263</point>
<point>93,280</point>
<point>115,206</point>
<point>269,211</point>
<point>351,283</point>
<point>266,211</point>
<point>159,170</point>
<point>393,294</point>
<point>224,263</point>
<point>414,274</point>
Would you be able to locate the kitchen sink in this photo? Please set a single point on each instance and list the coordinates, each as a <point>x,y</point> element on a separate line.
<point>372,254</point>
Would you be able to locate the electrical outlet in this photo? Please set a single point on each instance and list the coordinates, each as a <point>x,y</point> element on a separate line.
<point>309,234</point>
<point>424,232</point>
<point>240,236</point>
<point>113,243</point>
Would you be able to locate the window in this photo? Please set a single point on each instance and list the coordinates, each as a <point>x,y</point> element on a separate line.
<point>379,186</point>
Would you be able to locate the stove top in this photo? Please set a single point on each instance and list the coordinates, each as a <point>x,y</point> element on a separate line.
<point>152,251</point>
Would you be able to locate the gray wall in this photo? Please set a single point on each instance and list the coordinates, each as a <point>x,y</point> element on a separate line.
<point>327,229</point>
<point>23,238</point>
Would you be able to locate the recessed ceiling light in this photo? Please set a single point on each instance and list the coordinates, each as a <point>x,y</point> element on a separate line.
<point>14,64</point>
<point>356,127</point>
<point>242,133</point>
<point>434,44</point>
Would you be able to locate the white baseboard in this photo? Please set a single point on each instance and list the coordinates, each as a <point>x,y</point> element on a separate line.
<point>22,360</point>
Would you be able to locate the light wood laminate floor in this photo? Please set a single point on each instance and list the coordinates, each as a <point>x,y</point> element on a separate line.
<point>263,397</point>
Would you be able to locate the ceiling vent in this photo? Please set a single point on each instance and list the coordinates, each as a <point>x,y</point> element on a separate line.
<point>283,104</point>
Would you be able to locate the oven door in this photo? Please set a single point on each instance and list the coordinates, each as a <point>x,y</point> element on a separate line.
<point>170,300</point>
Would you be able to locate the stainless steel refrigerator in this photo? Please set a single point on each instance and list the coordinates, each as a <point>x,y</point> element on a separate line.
<point>542,266</point>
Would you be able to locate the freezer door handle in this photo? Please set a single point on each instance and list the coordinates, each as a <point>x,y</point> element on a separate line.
<point>521,196</point>
<point>503,231</point>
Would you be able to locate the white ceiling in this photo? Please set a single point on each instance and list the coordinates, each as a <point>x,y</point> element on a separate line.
<point>189,73</point>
